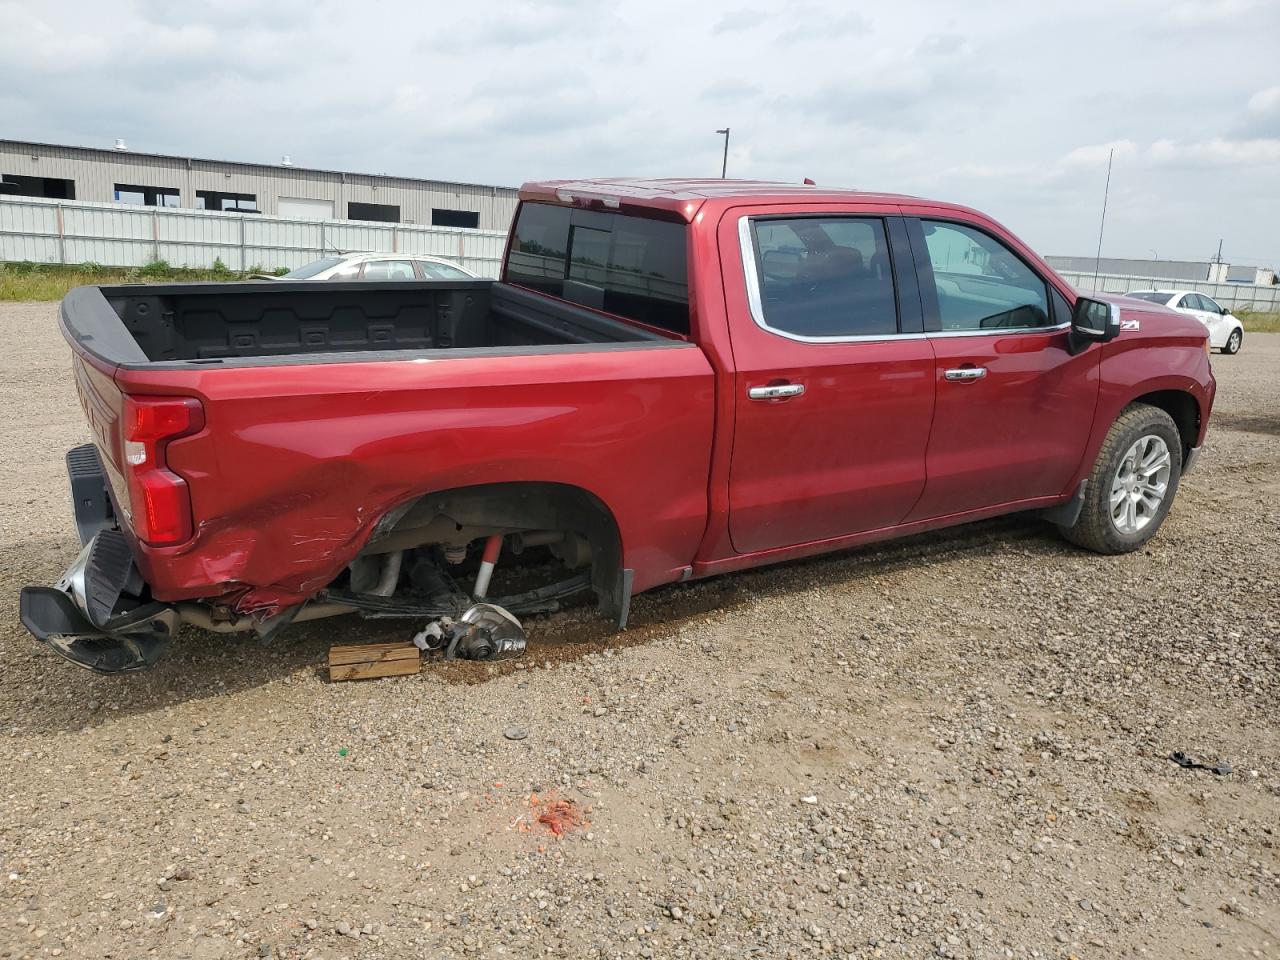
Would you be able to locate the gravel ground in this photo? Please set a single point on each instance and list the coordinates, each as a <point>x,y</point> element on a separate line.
<point>952,746</point>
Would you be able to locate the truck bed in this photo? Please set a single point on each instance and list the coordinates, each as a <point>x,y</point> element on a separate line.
<point>255,323</point>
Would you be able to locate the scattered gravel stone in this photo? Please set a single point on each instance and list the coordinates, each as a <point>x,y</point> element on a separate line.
<point>953,746</point>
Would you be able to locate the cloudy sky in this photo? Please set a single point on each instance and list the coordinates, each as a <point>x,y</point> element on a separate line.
<point>1010,107</point>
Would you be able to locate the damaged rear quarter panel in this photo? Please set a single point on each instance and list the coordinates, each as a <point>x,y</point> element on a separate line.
<point>296,463</point>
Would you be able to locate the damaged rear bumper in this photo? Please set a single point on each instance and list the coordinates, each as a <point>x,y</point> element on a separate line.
<point>96,615</point>
<point>93,616</point>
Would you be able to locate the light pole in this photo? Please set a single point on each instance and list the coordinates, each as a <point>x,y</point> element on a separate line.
<point>724,164</point>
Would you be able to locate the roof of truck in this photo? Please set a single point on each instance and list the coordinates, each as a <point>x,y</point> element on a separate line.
<point>685,196</point>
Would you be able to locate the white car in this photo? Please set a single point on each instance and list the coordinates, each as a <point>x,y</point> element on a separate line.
<point>379,266</point>
<point>1226,333</point>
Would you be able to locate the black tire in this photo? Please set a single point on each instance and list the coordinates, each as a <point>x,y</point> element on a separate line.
<point>1095,529</point>
<point>1233,342</point>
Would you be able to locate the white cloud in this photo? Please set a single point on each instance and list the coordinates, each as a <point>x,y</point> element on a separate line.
<point>1217,152</point>
<point>1265,101</point>
<point>1098,154</point>
<point>1195,13</point>
<point>1214,152</point>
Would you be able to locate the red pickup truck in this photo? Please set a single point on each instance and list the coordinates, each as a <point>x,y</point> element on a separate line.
<point>672,380</point>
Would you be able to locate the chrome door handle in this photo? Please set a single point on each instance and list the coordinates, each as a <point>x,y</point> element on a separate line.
<point>777,391</point>
<point>965,374</point>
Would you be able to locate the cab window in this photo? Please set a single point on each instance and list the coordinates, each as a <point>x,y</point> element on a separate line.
<point>633,267</point>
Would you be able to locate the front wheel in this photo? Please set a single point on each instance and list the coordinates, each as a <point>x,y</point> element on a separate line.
<point>1132,485</point>
<point>1233,342</point>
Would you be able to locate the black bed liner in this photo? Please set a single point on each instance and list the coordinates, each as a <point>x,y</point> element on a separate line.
<point>150,325</point>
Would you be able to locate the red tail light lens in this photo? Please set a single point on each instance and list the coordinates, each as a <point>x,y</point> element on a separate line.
<point>159,500</point>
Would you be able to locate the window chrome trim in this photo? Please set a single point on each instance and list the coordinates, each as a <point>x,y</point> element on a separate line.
<point>1000,331</point>
<point>746,243</point>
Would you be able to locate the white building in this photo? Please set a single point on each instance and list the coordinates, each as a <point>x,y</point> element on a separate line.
<point>151,179</point>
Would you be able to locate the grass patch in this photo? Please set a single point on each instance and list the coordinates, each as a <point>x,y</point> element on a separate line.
<point>1259,322</point>
<point>41,281</point>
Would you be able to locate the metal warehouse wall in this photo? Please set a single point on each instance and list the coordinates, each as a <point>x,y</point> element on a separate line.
<point>96,172</point>
<point>117,234</point>
<point>1236,296</point>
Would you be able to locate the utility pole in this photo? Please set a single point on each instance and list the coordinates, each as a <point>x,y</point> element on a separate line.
<point>724,164</point>
<point>1218,258</point>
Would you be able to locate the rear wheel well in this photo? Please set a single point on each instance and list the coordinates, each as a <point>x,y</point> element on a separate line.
<point>463,514</point>
<point>1182,408</point>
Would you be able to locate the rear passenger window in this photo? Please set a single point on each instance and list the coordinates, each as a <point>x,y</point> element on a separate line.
<point>389,270</point>
<point>982,284</point>
<point>629,266</point>
<point>825,277</point>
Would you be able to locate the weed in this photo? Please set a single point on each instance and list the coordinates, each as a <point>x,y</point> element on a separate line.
<point>41,281</point>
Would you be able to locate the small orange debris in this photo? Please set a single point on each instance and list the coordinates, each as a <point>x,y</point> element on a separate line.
<point>557,814</point>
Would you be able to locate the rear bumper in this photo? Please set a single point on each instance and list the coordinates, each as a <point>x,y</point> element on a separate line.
<point>96,615</point>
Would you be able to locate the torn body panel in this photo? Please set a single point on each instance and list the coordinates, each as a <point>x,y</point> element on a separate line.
<point>297,466</point>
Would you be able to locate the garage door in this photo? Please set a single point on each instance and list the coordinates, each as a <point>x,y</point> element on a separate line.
<point>305,209</point>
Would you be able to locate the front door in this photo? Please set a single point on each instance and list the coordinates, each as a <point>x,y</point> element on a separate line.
<point>1014,408</point>
<point>834,377</point>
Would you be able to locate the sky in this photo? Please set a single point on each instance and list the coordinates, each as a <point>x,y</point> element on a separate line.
<point>1010,107</point>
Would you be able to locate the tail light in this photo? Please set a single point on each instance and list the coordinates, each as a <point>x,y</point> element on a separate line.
<point>160,503</point>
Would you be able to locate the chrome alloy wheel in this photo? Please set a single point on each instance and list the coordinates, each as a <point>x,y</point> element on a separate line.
<point>1140,484</point>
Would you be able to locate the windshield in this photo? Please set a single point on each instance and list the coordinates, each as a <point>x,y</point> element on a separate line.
<point>312,268</point>
<point>1160,298</point>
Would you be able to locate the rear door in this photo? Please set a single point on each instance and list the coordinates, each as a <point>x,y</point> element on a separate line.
<point>833,387</point>
<point>1014,408</point>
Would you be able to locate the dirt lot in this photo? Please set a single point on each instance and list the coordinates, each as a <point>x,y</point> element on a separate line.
<point>953,746</point>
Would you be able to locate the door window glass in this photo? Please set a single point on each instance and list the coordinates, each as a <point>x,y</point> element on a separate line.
<point>982,285</point>
<point>388,270</point>
<point>1210,304</point>
<point>825,276</point>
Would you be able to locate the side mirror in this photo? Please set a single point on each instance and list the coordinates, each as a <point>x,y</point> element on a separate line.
<point>1225,311</point>
<point>1093,321</point>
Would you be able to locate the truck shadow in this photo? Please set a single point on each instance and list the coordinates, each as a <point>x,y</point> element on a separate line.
<point>1265,425</point>
<point>43,693</point>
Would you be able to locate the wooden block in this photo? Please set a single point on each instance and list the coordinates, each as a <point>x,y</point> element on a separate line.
<point>365,652</point>
<point>368,660</point>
